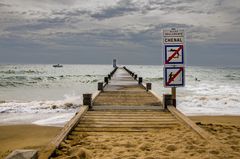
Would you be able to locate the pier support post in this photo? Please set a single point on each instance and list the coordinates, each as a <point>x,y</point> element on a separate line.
<point>100,86</point>
<point>106,80</point>
<point>167,100</point>
<point>87,100</point>
<point>174,97</point>
<point>109,76</point>
<point>149,86</point>
<point>140,80</point>
<point>135,77</point>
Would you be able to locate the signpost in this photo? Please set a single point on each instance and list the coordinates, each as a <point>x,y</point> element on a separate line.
<point>174,71</point>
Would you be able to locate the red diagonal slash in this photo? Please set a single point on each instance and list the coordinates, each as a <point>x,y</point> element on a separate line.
<point>175,75</point>
<point>173,55</point>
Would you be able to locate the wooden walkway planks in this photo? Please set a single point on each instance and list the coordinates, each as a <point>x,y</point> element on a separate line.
<point>123,90</point>
<point>124,106</point>
<point>55,143</point>
<point>190,123</point>
<point>125,121</point>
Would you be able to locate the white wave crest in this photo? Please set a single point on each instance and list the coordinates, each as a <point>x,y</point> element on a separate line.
<point>68,104</point>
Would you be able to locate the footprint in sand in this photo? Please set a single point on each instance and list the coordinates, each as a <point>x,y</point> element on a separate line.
<point>214,152</point>
<point>144,147</point>
<point>171,148</point>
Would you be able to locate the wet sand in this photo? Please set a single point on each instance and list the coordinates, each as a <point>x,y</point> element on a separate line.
<point>24,137</point>
<point>179,142</point>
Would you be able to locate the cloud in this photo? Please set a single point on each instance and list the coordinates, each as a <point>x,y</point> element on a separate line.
<point>119,25</point>
<point>4,5</point>
<point>123,7</point>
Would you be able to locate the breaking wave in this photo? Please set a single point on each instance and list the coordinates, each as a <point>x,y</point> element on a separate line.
<point>68,104</point>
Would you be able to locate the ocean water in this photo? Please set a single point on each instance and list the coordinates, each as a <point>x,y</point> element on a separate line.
<point>41,94</point>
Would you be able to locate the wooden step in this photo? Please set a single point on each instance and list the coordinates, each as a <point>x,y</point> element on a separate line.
<point>127,112</point>
<point>124,108</point>
<point>129,115</point>
<point>125,125</point>
<point>121,103</point>
<point>124,117</point>
<point>128,122</point>
<point>120,129</point>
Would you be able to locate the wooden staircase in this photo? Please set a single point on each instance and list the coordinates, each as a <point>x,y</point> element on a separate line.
<point>125,121</point>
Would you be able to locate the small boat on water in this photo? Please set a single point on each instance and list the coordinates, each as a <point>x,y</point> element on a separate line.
<point>57,65</point>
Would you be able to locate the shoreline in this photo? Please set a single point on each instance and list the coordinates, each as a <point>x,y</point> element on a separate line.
<point>30,136</point>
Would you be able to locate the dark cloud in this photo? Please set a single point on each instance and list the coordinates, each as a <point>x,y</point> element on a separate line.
<point>122,8</point>
<point>150,37</point>
<point>71,13</point>
<point>219,2</point>
<point>4,5</point>
<point>236,21</point>
<point>40,24</point>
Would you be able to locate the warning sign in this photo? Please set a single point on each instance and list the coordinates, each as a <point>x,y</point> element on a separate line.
<point>173,54</point>
<point>174,77</point>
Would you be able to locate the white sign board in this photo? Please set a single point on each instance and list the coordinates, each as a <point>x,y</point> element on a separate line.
<point>173,55</point>
<point>174,77</point>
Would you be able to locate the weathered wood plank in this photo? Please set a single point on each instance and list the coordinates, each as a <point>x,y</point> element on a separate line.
<point>129,117</point>
<point>126,112</point>
<point>189,123</point>
<point>120,129</point>
<point>49,149</point>
<point>160,125</point>
<point>130,120</point>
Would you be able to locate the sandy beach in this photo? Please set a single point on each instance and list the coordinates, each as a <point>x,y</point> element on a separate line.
<point>24,137</point>
<point>169,143</point>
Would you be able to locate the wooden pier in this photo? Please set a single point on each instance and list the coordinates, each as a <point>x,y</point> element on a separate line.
<point>123,104</point>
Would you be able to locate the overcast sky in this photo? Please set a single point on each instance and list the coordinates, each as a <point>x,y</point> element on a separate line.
<point>96,31</point>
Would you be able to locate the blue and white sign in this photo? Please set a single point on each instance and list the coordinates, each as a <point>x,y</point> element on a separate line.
<point>174,77</point>
<point>173,54</point>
